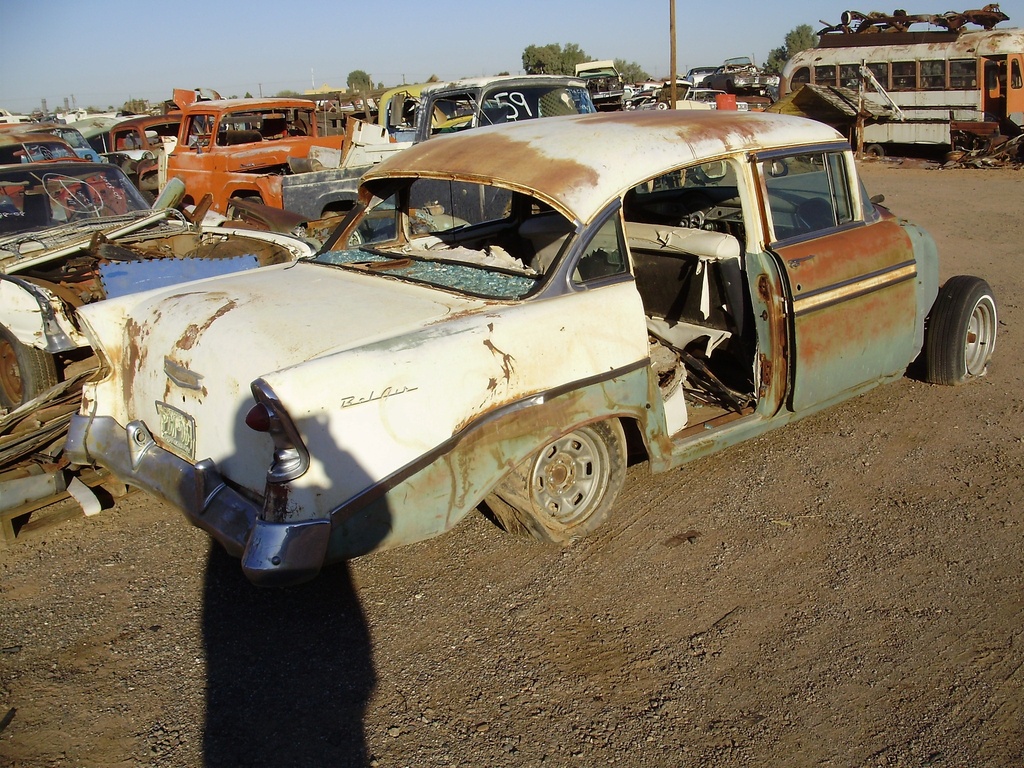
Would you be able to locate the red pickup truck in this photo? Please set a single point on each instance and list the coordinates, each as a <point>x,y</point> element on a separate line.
<point>240,148</point>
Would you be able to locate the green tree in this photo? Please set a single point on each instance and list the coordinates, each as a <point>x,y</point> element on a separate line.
<point>631,72</point>
<point>797,39</point>
<point>359,81</point>
<point>553,59</point>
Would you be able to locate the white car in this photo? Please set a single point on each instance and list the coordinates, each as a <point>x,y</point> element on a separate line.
<point>501,311</point>
<point>77,232</point>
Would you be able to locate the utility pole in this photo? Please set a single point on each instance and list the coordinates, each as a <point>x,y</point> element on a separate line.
<point>672,52</point>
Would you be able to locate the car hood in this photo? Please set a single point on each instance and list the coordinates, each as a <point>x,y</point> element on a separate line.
<point>30,248</point>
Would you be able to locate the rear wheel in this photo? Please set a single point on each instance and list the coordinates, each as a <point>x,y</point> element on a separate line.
<point>961,334</point>
<point>874,150</point>
<point>567,489</point>
<point>25,372</point>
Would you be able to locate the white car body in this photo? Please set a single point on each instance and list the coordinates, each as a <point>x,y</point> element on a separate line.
<point>503,305</point>
<point>103,240</point>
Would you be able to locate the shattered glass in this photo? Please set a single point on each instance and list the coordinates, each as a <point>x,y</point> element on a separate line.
<point>465,278</point>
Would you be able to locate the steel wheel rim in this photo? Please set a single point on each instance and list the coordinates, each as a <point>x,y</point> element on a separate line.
<point>569,476</point>
<point>981,334</point>
<point>10,373</point>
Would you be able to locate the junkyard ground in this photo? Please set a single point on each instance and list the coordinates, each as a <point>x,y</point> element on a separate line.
<point>846,591</point>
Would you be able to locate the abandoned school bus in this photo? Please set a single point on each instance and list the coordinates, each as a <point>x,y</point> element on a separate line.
<point>956,87</point>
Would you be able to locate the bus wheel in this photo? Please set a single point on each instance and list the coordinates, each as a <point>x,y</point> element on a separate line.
<point>874,150</point>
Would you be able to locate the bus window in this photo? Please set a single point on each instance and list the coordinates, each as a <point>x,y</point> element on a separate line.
<point>933,75</point>
<point>825,75</point>
<point>904,75</point>
<point>1015,78</point>
<point>880,69</point>
<point>802,75</point>
<point>963,74</point>
<point>849,75</point>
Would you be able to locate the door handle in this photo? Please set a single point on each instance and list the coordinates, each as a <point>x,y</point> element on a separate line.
<point>794,263</point>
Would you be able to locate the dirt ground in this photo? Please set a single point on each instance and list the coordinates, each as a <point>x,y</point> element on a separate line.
<point>846,591</point>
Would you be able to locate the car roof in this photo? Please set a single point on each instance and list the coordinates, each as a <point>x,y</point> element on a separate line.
<point>483,82</point>
<point>146,120</point>
<point>579,163</point>
<point>30,136</point>
<point>227,105</point>
<point>74,167</point>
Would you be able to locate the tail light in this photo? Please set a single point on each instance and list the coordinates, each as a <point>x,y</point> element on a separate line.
<point>291,459</point>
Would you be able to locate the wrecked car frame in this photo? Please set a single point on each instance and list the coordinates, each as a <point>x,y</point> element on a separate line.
<point>74,233</point>
<point>725,275</point>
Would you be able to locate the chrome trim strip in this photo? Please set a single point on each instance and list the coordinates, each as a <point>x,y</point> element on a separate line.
<point>852,289</point>
<point>181,375</point>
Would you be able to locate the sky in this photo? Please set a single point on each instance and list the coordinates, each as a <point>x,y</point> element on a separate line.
<point>99,53</point>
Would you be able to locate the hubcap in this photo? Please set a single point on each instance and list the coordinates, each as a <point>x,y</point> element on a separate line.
<point>569,476</point>
<point>981,333</point>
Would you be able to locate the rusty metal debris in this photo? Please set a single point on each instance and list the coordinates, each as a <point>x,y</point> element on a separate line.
<point>856,23</point>
<point>34,473</point>
<point>1001,152</point>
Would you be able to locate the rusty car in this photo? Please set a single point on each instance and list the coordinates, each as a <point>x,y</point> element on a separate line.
<point>742,77</point>
<point>31,146</point>
<point>73,233</point>
<point>242,148</point>
<point>506,310</point>
<point>607,87</point>
<point>67,133</point>
<point>138,144</point>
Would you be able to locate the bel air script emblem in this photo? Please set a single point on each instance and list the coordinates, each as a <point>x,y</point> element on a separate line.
<point>384,394</point>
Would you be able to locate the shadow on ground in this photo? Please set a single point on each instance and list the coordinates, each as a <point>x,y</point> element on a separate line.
<point>289,670</point>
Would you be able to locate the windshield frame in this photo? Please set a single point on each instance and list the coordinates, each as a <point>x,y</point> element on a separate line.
<point>390,234</point>
<point>41,196</point>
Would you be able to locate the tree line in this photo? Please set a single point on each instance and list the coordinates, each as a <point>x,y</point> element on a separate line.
<point>556,59</point>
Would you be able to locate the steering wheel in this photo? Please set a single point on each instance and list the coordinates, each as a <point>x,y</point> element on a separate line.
<point>75,196</point>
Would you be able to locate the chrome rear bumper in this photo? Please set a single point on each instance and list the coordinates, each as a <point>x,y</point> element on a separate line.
<point>273,554</point>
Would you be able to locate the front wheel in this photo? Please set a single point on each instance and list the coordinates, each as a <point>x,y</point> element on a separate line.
<point>961,335</point>
<point>567,489</point>
<point>25,372</point>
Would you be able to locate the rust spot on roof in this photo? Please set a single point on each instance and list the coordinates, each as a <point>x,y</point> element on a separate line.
<point>487,154</point>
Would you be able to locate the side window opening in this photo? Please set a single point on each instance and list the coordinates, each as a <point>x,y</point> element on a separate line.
<point>849,75</point>
<point>825,74</point>
<point>603,256</point>
<point>807,193</point>
<point>933,74</point>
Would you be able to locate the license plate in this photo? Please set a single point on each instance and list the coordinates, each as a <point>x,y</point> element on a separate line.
<point>178,429</point>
